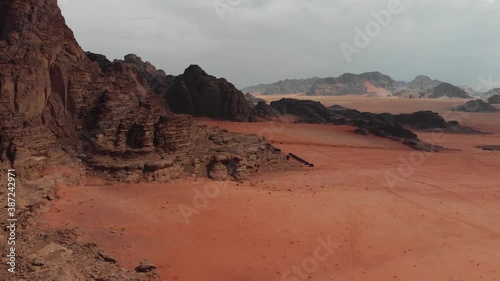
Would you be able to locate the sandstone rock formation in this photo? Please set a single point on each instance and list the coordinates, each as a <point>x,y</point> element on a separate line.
<point>115,116</point>
<point>476,106</point>
<point>66,113</point>
<point>352,84</point>
<point>287,86</point>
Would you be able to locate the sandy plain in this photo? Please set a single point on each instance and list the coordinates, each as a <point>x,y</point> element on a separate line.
<point>370,209</point>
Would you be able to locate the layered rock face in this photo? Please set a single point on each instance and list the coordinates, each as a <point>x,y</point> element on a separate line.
<point>46,84</point>
<point>352,84</point>
<point>57,100</point>
<point>199,94</point>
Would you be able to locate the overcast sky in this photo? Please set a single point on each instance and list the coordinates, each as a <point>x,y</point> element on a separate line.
<point>262,41</point>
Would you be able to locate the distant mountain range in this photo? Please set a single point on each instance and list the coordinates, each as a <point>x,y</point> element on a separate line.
<point>288,86</point>
<point>353,84</point>
<point>369,84</point>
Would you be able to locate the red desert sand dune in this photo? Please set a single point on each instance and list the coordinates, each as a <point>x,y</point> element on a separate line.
<point>439,220</point>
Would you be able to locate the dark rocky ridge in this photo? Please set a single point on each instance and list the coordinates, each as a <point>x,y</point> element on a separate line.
<point>196,93</point>
<point>384,125</point>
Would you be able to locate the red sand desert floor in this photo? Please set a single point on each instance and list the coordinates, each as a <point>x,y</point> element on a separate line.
<point>439,220</point>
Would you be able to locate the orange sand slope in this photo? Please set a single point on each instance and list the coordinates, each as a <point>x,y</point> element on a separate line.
<point>371,209</point>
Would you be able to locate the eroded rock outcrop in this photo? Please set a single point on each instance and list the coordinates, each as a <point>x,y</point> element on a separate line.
<point>196,93</point>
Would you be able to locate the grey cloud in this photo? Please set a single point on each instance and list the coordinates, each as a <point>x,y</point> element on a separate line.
<point>263,41</point>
